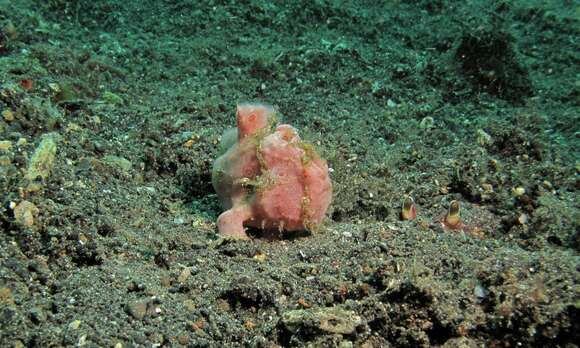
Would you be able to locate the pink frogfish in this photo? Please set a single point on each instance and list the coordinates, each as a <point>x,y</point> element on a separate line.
<point>266,177</point>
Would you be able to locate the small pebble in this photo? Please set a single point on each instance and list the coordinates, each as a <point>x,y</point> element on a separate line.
<point>6,296</point>
<point>184,275</point>
<point>5,145</point>
<point>518,191</point>
<point>37,315</point>
<point>183,339</point>
<point>137,310</point>
<point>488,188</point>
<point>24,213</point>
<point>8,115</point>
<point>189,305</point>
<point>74,325</point>
<point>480,292</point>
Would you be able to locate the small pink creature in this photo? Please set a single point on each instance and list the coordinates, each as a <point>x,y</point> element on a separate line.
<point>268,179</point>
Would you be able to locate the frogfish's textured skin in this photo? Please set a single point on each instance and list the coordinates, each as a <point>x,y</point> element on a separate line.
<point>268,179</point>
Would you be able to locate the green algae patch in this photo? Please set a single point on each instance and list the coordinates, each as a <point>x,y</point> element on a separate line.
<point>42,160</point>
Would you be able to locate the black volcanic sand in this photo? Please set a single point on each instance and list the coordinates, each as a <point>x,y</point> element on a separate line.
<point>112,112</point>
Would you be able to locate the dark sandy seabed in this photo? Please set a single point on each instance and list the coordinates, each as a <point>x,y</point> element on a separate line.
<point>112,112</point>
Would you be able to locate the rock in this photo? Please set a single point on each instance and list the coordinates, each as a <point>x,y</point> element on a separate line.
<point>462,342</point>
<point>8,115</point>
<point>42,160</point>
<point>143,308</point>
<point>123,164</point>
<point>24,213</point>
<point>5,145</point>
<point>183,340</point>
<point>184,275</point>
<point>6,296</point>
<point>333,320</point>
<point>189,305</point>
<point>112,98</point>
<point>37,315</point>
<point>137,310</point>
<point>74,325</point>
